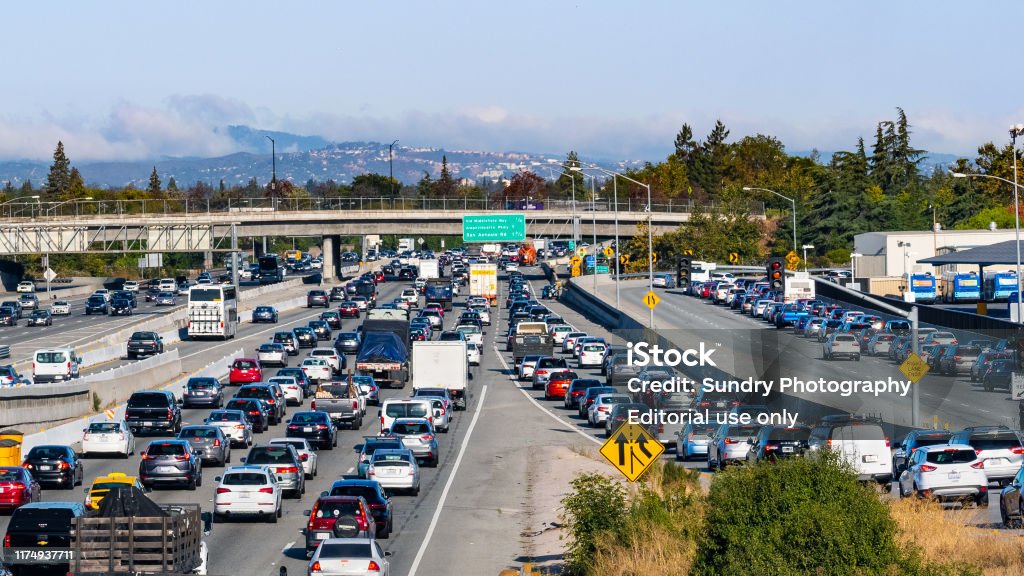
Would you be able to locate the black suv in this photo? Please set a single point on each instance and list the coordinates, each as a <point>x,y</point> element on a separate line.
<point>43,526</point>
<point>153,410</point>
<point>265,394</point>
<point>304,337</point>
<point>13,305</point>
<point>321,329</point>
<point>8,316</point>
<point>774,442</point>
<point>142,343</point>
<point>127,294</point>
<point>96,305</point>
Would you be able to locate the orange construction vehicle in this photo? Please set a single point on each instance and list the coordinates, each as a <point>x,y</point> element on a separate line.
<point>527,255</point>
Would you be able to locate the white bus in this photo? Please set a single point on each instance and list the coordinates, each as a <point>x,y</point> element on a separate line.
<point>212,312</point>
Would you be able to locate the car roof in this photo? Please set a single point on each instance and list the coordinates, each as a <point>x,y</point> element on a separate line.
<point>248,468</point>
<point>942,447</point>
<point>74,506</point>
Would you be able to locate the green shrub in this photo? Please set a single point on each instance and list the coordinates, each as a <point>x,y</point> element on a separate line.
<point>798,516</point>
<point>596,506</point>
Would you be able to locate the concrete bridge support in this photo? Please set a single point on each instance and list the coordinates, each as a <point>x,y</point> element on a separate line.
<point>331,253</point>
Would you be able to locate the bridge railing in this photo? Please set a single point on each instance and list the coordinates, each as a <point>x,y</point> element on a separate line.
<point>36,209</point>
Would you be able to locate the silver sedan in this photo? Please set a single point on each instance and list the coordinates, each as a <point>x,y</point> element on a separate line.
<point>350,557</point>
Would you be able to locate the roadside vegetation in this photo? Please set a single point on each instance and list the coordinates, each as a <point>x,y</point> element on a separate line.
<point>794,517</point>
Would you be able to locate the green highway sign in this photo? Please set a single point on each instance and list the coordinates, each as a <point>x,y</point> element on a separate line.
<point>494,228</point>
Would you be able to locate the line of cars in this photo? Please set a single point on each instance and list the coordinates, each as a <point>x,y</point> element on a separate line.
<point>938,464</point>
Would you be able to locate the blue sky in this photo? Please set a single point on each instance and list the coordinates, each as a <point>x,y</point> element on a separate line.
<point>610,79</point>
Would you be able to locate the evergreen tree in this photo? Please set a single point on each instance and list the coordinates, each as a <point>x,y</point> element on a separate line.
<point>155,185</point>
<point>221,187</point>
<point>709,166</point>
<point>8,190</point>
<point>172,185</point>
<point>425,187</point>
<point>570,179</point>
<point>686,146</point>
<point>77,188</point>
<point>59,180</point>
<point>26,188</point>
<point>445,185</point>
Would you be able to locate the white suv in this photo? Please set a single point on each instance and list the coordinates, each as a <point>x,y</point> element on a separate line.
<point>860,441</point>
<point>998,446</point>
<point>946,471</point>
<point>247,491</point>
<point>26,287</point>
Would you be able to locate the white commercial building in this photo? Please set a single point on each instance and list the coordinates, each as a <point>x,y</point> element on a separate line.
<point>893,254</point>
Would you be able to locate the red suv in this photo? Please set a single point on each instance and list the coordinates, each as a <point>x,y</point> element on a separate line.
<point>245,371</point>
<point>339,517</point>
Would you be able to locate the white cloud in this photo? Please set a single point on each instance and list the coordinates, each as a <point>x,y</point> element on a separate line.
<point>191,125</point>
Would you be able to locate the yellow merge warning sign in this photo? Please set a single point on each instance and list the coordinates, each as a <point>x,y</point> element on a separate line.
<point>631,449</point>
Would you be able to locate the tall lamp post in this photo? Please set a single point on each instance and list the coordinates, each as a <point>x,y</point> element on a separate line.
<point>792,201</point>
<point>1014,132</point>
<point>650,233</point>
<point>391,166</point>
<point>273,172</point>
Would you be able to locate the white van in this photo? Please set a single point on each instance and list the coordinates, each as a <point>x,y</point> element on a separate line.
<point>404,408</point>
<point>55,365</point>
<point>167,285</point>
<point>860,441</point>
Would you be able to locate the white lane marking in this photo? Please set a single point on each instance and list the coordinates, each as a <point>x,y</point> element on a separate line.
<point>540,406</point>
<point>448,485</point>
<point>273,327</point>
<point>350,469</point>
<point>287,546</point>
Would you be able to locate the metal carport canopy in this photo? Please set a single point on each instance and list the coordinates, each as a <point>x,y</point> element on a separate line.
<point>999,253</point>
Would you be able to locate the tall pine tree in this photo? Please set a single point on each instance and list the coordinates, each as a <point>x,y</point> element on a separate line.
<point>155,185</point>
<point>445,185</point>
<point>59,180</point>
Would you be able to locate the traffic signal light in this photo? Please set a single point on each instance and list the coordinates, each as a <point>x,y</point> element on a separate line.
<point>683,268</point>
<point>777,273</point>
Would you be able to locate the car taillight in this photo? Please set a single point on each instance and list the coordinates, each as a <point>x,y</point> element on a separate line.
<point>216,443</point>
<point>602,408</point>
<point>977,452</point>
<point>705,404</point>
<point>730,441</point>
<point>170,415</point>
<point>26,464</point>
<point>321,426</point>
<point>293,427</point>
<point>239,426</point>
<point>64,466</point>
<point>148,457</point>
<point>181,458</point>
<point>1017,450</point>
<point>315,567</point>
<point>287,470</point>
<point>312,405</point>
<point>303,457</point>
<point>928,468</point>
<point>223,490</point>
<point>7,540</point>
<point>768,447</point>
<point>979,465</point>
<point>886,441</point>
<point>268,490</point>
<point>254,412</point>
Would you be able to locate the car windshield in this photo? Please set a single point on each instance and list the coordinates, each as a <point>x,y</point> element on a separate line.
<point>410,428</point>
<point>225,417</point>
<point>47,452</point>
<point>51,357</point>
<point>307,418</point>
<point>270,455</point>
<point>165,449</point>
<point>244,479</point>
<point>346,550</point>
<point>951,456</point>
<point>367,492</point>
<point>198,432</point>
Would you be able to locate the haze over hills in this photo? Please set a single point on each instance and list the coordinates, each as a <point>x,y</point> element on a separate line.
<point>301,158</point>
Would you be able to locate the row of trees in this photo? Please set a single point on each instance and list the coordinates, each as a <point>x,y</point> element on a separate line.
<point>854,191</point>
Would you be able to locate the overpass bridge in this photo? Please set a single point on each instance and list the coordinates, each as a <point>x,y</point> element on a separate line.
<point>183,226</point>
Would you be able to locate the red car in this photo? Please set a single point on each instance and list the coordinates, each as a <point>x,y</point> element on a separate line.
<point>17,488</point>
<point>558,384</point>
<point>348,309</point>
<point>378,276</point>
<point>245,371</point>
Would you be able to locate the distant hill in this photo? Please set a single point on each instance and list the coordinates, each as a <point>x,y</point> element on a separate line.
<point>301,158</point>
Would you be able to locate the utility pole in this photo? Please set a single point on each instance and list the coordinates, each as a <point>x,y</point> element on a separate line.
<point>234,261</point>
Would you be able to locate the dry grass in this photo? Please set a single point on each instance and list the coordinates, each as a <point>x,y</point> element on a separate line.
<point>650,544</point>
<point>945,536</point>
<point>648,550</point>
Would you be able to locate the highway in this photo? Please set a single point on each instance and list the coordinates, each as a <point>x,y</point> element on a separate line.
<point>463,522</point>
<point>752,348</point>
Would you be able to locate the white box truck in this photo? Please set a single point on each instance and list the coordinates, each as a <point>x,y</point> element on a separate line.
<point>441,364</point>
<point>483,281</point>
<point>429,269</point>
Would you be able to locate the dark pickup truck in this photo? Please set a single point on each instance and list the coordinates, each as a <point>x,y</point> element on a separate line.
<point>43,527</point>
<point>153,410</point>
<point>144,343</point>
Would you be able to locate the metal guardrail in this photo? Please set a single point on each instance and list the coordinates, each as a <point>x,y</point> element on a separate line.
<point>32,209</point>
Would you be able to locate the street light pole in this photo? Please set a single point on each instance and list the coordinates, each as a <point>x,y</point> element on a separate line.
<point>391,167</point>
<point>273,169</point>
<point>791,201</point>
<point>650,233</point>
<point>807,247</point>
<point>1014,132</point>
